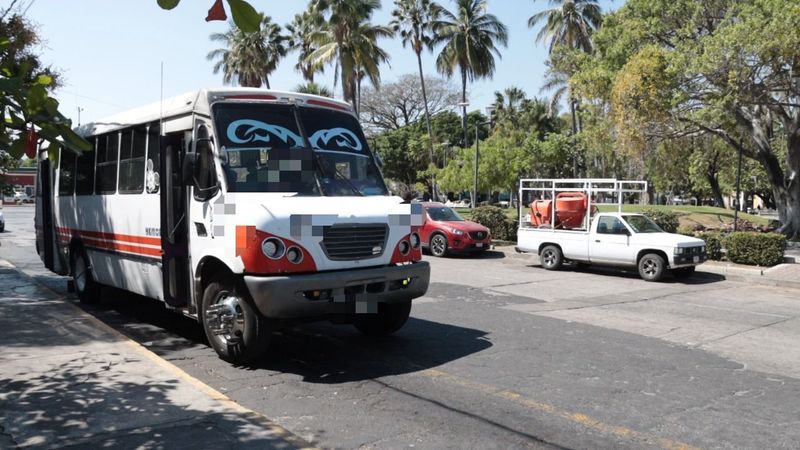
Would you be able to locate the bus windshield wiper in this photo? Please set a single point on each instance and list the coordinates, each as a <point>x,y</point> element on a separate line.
<point>337,174</point>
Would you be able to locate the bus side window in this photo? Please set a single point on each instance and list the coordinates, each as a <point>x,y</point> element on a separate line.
<point>84,172</point>
<point>131,162</point>
<point>66,172</point>
<point>152,179</point>
<point>107,156</point>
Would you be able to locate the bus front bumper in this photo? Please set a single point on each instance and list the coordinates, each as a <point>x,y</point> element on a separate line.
<point>318,295</point>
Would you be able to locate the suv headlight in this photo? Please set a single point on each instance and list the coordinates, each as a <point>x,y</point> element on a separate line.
<point>680,250</point>
<point>456,231</point>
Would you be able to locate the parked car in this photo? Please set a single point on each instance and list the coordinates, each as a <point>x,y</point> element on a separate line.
<point>445,231</point>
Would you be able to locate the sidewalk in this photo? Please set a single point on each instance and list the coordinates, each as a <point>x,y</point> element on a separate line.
<point>783,275</point>
<point>69,380</point>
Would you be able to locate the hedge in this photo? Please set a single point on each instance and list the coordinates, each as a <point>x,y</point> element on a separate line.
<point>757,249</point>
<point>713,241</point>
<point>495,219</point>
<point>667,220</point>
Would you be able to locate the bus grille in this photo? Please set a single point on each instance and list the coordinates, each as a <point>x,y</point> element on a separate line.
<point>352,242</point>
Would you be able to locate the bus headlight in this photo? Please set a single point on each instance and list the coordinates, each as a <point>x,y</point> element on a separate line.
<point>404,247</point>
<point>273,248</point>
<point>415,241</point>
<point>294,255</point>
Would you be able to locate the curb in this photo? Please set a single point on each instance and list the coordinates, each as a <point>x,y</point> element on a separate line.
<point>253,416</point>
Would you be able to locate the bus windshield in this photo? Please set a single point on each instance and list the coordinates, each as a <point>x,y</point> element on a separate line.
<point>314,151</point>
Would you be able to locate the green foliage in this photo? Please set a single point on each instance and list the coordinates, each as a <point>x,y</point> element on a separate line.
<point>686,230</point>
<point>713,240</point>
<point>24,94</point>
<point>758,249</point>
<point>666,219</point>
<point>495,219</point>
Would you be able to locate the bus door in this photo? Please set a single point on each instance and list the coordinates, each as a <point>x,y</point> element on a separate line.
<point>43,220</point>
<point>174,230</point>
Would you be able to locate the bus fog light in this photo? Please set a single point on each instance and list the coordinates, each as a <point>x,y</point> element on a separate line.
<point>404,247</point>
<point>414,240</point>
<point>294,255</point>
<point>273,248</point>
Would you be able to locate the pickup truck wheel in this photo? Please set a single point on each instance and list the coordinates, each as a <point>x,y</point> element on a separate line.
<point>87,289</point>
<point>551,257</point>
<point>234,327</point>
<point>683,272</point>
<point>438,245</point>
<point>651,267</point>
<point>390,318</point>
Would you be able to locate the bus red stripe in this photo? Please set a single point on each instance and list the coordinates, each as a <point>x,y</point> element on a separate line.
<point>111,236</point>
<point>123,247</point>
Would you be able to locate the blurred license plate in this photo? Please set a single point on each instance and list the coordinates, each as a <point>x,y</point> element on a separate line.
<point>696,259</point>
<point>480,244</point>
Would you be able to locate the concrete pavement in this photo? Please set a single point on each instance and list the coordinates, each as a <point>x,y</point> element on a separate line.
<point>69,380</point>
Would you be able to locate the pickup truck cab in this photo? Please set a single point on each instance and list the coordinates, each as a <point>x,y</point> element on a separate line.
<point>617,239</point>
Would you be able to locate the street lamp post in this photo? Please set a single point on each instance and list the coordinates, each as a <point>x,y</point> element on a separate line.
<point>738,190</point>
<point>477,160</point>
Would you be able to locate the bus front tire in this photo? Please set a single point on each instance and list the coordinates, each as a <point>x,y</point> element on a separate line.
<point>234,327</point>
<point>85,286</point>
<point>389,318</point>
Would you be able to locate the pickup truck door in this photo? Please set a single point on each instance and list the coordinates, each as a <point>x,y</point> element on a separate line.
<point>610,242</point>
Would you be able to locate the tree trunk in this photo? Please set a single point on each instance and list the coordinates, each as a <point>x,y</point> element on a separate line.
<point>427,112</point>
<point>574,133</point>
<point>464,102</point>
<point>715,189</point>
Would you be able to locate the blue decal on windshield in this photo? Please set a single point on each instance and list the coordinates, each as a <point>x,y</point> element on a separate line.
<point>250,133</point>
<point>342,137</point>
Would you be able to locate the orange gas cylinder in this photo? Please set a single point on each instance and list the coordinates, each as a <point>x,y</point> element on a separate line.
<point>570,209</point>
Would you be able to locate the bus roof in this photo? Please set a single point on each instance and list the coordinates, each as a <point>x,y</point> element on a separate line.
<point>200,101</point>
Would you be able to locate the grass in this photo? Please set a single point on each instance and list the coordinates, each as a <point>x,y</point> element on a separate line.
<point>707,216</point>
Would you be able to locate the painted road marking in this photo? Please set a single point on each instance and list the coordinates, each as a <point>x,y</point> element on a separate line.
<point>578,418</point>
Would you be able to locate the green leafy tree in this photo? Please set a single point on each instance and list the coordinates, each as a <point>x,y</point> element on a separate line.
<point>248,58</point>
<point>470,39</point>
<point>300,39</point>
<point>27,112</point>
<point>413,20</point>
<point>314,88</point>
<point>726,68</point>
<point>349,41</point>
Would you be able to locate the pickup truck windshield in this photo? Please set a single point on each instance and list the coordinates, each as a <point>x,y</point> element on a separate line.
<point>641,224</point>
<point>332,153</point>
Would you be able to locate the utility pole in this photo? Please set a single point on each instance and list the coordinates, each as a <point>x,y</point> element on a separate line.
<point>738,190</point>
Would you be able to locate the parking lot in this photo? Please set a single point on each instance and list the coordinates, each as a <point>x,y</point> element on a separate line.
<point>503,354</point>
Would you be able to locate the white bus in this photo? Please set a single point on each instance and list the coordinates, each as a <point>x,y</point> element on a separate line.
<point>243,208</point>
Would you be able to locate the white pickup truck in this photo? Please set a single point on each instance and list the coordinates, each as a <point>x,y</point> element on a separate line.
<point>617,239</point>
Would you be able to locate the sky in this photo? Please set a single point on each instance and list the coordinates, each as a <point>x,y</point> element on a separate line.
<point>110,53</point>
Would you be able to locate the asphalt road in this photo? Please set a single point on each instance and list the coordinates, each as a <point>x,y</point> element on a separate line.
<point>502,354</point>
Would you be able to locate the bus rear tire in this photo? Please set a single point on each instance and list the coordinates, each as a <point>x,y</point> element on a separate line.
<point>86,287</point>
<point>389,318</point>
<point>233,325</point>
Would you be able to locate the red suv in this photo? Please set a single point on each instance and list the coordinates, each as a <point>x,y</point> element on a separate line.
<point>445,231</point>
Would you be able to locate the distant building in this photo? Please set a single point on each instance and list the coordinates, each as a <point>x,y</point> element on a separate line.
<point>23,180</point>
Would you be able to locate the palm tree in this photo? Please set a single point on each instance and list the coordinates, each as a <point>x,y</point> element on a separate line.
<point>249,58</point>
<point>470,38</point>
<point>414,20</point>
<point>300,32</point>
<point>314,88</point>
<point>350,42</point>
<point>570,23</point>
<point>507,104</point>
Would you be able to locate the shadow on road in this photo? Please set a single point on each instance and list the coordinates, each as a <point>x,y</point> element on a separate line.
<point>320,352</point>
<point>696,279</point>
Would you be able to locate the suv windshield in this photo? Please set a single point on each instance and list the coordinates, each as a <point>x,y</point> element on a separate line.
<point>642,224</point>
<point>252,135</point>
<point>444,214</point>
